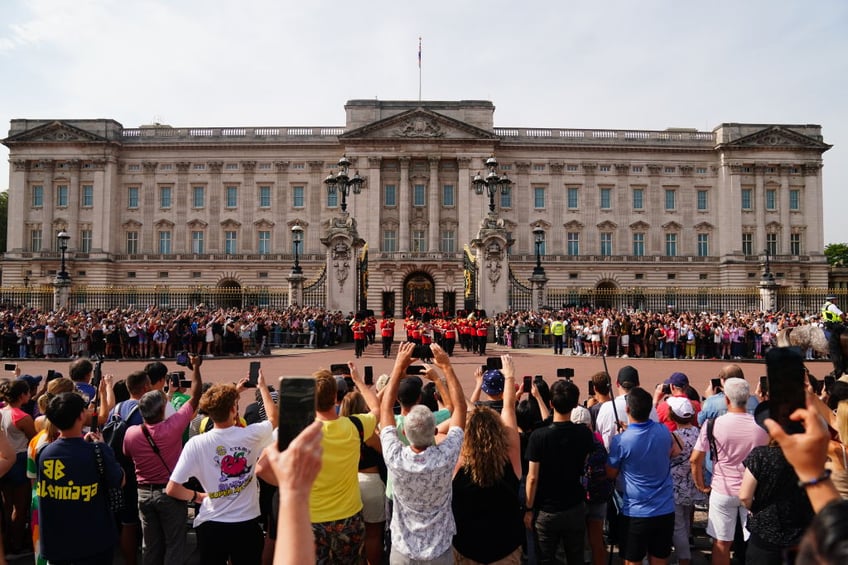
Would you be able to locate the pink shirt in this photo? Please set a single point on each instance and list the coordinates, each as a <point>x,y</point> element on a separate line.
<point>168,436</point>
<point>735,436</point>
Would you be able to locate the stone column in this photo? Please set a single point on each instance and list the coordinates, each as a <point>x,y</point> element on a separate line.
<point>19,199</point>
<point>279,204</point>
<point>315,197</point>
<point>555,243</point>
<point>464,194</point>
<point>812,206</point>
<point>492,263</point>
<point>655,242</point>
<point>373,189</point>
<point>343,244</point>
<point>48,237</point>
<point>768,294</point>
<point>74,201</point>
<point>61,293</point>
<point>247,205</point>
<point>433,204</point>
<point>538,298</point>
<point>213,206</point>
<point>296,288</point>
<point>759,204</point>
<point>147,196</point>
<point>182,204</point>
<point>405,197</point>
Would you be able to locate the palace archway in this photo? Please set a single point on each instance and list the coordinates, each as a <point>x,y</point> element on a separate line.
<point>419,290</point>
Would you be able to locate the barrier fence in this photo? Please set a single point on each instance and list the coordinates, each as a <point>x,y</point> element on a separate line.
<point>654,299</point>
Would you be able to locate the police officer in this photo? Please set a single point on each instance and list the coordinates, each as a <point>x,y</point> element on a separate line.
<point>833,323</point>
<point>558,331</point>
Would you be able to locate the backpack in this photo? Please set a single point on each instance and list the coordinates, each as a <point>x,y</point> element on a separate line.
<point>115,429</point>
<point>598,487</point>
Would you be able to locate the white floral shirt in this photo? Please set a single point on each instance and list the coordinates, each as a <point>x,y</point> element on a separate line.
<point>422,519</point>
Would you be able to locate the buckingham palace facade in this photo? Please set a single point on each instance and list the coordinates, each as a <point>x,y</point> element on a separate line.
<point>164,205</point>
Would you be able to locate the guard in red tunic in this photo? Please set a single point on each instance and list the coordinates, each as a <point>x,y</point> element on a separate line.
<point>358,337</point>
<point>449,334</point>
<point>387,333</point>
<point>482,331</point>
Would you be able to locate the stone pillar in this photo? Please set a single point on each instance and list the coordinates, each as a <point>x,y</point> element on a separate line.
<point>296,288</point>
<point>768,294</point>
<point>48,235</point>
<point>555,237</point>
<point>492,263</point>
<point>538,298</point>
<point>373,202</point>
<point>405,197</point>
<point>215,242</point>
<point>433,205</point>
<point>19,196</point>
<point>343,243</point>
<point>247,204</point>
<point>280,201</point>
<point>182,204</point>
<point>74,201</point>
<point>464,194</point>
<point>61,293</point>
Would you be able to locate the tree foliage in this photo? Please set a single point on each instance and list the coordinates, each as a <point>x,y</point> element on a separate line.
<point>837,253</point>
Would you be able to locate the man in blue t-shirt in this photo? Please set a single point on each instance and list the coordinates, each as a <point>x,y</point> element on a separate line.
<point>640,458</point>
<point>74,519</point>
<point>715,404</point>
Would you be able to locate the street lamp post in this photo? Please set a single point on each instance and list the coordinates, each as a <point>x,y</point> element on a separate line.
<point>344,183</point>
<point>297,239</point>
<point>492,183</point>
<point>63,238</point>
<point>539,239</point>
<point>767,274</point>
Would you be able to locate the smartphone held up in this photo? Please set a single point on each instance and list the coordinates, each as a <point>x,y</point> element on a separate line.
<point>296,408</point>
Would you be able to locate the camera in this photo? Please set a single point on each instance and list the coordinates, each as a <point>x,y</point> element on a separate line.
<point>565,373</point>
<point>183,360</point>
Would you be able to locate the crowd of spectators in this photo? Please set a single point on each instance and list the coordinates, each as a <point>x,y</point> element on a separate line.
<point>636,333</point>
<point>128,333</point>
<point>414,469</point>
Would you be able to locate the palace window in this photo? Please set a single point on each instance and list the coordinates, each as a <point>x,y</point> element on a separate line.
<point>639,244</point>
<point>572,244</point>
<point>37,199</point>
<point>264,196</point>
<point>164,242</point>
<point>197,242</point>
<point>87,196</point>
<point>638,198</point>
<point>230,242</point>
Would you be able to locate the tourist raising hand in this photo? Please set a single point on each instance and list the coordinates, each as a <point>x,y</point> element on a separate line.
<point>807,453</point>
<point>296,469</point>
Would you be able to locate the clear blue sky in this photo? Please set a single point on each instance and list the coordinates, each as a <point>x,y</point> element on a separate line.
<point>597,64</point>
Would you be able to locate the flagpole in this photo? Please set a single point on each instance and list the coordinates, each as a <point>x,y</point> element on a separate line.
<point>419,68</point>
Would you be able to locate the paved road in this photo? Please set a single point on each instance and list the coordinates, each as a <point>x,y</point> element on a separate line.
<point>528,362</point>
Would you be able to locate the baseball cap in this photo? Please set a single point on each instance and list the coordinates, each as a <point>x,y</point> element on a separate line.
<point>409,390</point>
<point>629,376</point>
<point>493,382</point>
<point>678,380</point>
<point>830,297</point>
<point>31,381</point>
<point>681,406</point>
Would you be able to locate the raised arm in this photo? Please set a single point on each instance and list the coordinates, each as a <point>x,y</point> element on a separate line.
<point>508,412</point>
<point>454,388</point>
<point>196,381</point>
<point>367,393</point>
<point>106,394</point>
<point>402,361</point>
<point>433,376</point>
<point>478,386</point>
<point>267,400</point>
